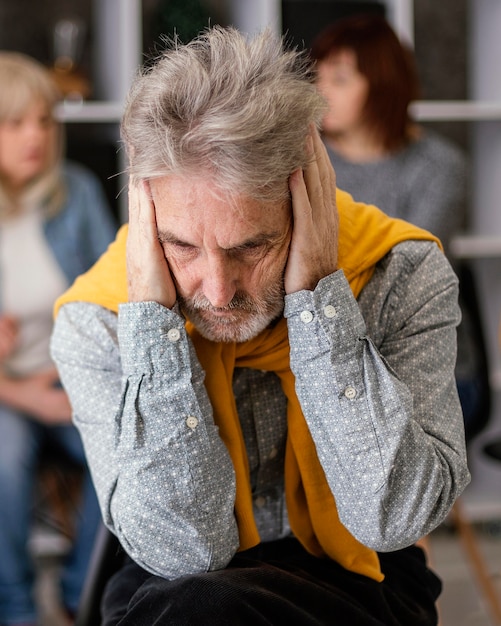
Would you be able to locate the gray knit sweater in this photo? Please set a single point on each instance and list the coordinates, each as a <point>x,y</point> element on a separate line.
<point>424,183</point>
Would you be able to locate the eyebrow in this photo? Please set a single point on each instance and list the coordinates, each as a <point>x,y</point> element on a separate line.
<point>166,236</point>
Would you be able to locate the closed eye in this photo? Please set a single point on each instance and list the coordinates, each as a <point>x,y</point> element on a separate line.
<point>249,249</point>
<point>179,249</point>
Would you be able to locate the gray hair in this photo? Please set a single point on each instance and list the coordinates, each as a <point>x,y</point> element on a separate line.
<point>237,108</point>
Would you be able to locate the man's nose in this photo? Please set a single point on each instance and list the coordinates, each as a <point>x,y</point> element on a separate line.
<point>219,282</point>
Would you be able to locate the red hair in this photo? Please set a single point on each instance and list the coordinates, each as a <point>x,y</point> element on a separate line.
<point>385,62</point>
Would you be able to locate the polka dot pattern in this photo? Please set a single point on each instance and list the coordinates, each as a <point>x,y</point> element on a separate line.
<point>375,379</point>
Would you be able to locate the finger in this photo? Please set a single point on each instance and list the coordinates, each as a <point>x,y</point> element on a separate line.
<point>142,235</point>
<point>301,206</point>
<point>325,170</point>
<point>141,209</point>
<point>146,207</point>
<point>311,173</point>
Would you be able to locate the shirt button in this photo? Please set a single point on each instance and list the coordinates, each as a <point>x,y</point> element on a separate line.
<point>192,422</point>
<point>260,502</point>
<point>350,393</point>
<point>330,311</point>
<point>273,453</point>
<point>306,317</point>
<point>173,335</point>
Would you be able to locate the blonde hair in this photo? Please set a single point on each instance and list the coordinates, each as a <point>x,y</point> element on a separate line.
<point>24,80</point>
<point>236,107</point>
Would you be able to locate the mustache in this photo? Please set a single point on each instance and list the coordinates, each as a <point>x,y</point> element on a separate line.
<point>246,314</point>
<point>240,301</point>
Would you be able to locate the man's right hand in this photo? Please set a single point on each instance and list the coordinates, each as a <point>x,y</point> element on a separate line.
<point>148,273</point>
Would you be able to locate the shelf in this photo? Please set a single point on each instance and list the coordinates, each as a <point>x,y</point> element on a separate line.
<point>117,45</point>
<point>455,110</point>
<point>476,246</point>
<point>423,110</point>
<point>90,111</point>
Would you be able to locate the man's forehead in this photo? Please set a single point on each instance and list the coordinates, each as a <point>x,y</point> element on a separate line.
<point>194,211</point>
<point>191,194</point>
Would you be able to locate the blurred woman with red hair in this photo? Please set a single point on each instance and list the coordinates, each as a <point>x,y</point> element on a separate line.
<point>380,154</point>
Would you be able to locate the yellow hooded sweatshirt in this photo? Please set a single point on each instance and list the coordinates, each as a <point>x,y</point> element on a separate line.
<point>366,234</point>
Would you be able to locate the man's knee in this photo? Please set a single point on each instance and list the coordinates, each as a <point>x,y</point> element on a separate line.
<point>207,598</point>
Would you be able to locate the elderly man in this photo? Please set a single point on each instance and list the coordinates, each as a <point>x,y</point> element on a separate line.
<point>262,369</point>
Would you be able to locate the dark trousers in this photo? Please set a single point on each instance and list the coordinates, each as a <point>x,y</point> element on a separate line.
<point>278,583</point>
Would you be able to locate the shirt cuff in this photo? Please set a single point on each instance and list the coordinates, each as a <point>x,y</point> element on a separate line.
<point>151,337</point>
<point>331,307</point>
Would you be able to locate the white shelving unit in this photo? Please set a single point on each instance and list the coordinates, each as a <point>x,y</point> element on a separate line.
<point>476,246</point>
<point>456,110</point>
<point>117,47</point>
<point>116,55</point>
<point>90,112</point>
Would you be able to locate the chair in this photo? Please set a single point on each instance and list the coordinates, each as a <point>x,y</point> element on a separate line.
<point>58,490</point>
<point>107,558</point>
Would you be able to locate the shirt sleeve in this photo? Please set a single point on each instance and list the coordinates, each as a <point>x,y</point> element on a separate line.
<point>375,379</point>
<point>164,478</point>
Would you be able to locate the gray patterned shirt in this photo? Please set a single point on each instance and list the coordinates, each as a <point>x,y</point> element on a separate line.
<point>375,379</point>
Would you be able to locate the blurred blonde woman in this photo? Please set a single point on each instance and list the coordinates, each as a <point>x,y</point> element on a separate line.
<point>381,155</point>
<point>54,224</point>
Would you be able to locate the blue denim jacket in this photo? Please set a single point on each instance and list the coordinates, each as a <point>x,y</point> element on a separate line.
<point>82,230</point>
<point>84,227</point>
